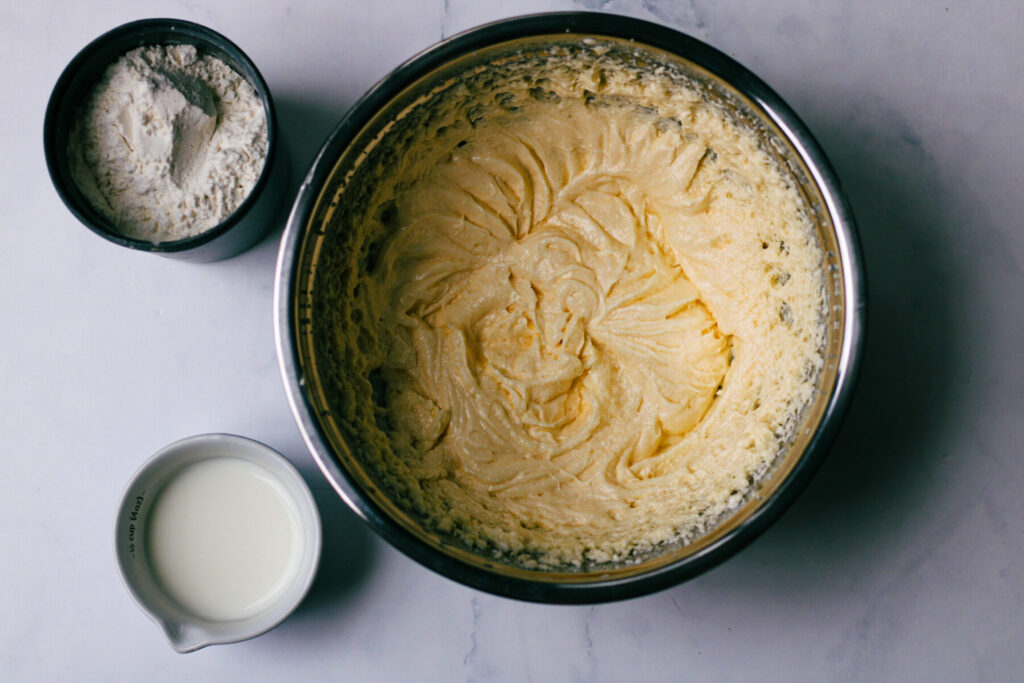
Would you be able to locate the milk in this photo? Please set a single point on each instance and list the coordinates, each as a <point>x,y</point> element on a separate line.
<point>223,539</point>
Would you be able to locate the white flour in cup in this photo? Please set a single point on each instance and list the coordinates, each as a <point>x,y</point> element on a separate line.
<point>168,143</point>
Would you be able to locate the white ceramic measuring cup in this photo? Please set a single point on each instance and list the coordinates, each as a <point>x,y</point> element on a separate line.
<point>187,630</point>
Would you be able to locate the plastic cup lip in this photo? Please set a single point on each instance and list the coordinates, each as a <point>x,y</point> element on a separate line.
<point>188,632</point>
<point>109,46</point>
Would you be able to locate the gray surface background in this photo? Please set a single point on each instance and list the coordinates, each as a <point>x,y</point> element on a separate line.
<point>904,560</point>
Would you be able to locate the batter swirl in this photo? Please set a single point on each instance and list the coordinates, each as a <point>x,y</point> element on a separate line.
<point>545,308</point>
<point>596,319</point>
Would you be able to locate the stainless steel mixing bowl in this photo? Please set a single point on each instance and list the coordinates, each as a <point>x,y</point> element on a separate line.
<point>311,232</point>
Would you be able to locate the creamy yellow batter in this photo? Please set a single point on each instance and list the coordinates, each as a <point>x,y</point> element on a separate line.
<point>596,308</point>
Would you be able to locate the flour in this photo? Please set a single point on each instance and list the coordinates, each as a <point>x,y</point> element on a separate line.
<point>168,143</point>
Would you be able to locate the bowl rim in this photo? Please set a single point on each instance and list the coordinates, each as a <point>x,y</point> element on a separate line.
<point>54,152</point>
<point>761,96</point>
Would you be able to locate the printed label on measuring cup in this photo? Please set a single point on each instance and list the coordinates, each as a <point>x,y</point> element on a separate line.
<point>133,521</point>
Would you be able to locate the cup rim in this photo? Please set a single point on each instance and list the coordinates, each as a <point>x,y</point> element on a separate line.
<point>54,153</point>
<point>213,632</point>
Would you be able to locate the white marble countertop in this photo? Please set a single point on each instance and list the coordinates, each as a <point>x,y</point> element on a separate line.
<point>902,561</point>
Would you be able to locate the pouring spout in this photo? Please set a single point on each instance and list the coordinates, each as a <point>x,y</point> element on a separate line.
<point>185,637</point>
